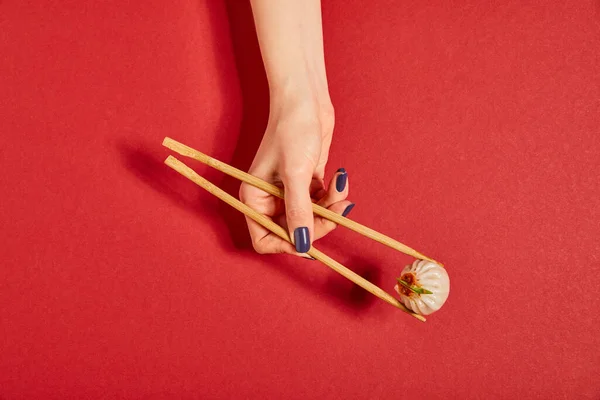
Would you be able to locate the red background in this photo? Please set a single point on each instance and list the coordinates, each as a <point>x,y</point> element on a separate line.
<point>469,130</point>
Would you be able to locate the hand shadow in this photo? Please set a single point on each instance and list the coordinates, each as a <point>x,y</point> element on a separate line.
<point>255,99</point>
<point>148,166</point>
<point>146,163</point>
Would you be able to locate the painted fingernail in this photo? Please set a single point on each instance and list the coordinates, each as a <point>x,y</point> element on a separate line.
<point>302,239</point>
<point>340,183</point>
<point>348,209</point>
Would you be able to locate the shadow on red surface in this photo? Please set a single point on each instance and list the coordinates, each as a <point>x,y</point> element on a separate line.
<point>255,98</point>
<point>354,297</point>
<point>147,165</point>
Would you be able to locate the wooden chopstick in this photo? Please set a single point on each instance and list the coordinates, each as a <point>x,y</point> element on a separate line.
<point>279,231</point>
<point>275,191</point>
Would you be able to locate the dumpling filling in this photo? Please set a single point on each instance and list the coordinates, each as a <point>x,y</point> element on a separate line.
<point>423,287</point>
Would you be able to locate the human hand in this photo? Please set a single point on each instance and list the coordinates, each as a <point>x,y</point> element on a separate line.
<point>293,155</point>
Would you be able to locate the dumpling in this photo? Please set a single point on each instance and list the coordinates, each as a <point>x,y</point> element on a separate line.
<point>418,279</point>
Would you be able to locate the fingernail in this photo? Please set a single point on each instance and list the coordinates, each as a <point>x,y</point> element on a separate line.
<point>340,183</point>
<point>301,239</point>
<point>348,209</point>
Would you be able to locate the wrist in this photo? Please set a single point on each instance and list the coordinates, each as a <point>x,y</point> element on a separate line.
<point>307,92</point>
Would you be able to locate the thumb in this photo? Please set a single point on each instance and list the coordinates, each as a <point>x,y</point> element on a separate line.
<point>298,210</point>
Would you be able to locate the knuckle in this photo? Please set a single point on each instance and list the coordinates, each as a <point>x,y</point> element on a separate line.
<point>242,192</point>
<point>330,226</point>
<point>327,226</point>
<point>258,247</point>
<point>296,213</point>
<point>281,250</point>
<point>296,171</point>
<point>327,118</point>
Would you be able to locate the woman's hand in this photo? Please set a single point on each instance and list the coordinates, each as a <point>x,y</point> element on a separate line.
<point>295,147</point>
<point>293,155</point>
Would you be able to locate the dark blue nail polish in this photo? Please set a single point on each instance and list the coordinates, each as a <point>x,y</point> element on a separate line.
<point>340,182</point>
<point>348,209</point>
<point>302,239</point>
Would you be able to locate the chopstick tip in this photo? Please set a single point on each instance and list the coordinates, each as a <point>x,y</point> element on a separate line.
<point>170,160</point>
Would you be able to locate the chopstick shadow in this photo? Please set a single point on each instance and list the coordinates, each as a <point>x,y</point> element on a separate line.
<point>351,297</point>
<point>148,166</point>
<point>318,280</point>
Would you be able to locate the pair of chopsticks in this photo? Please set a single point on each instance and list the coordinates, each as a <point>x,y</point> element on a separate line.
<point>186,171</point>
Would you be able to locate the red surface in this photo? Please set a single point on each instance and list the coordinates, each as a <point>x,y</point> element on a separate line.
<point>470,131</point>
